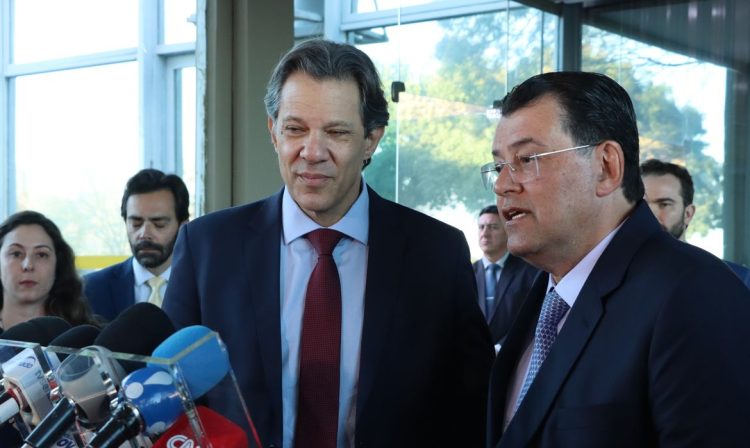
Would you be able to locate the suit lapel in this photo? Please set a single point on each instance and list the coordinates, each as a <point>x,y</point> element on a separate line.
<point>384,269</point>
<point>479,275</point>
<point>607,275</point>
<point>506,278</point>
<point>261,252</point>
<point>123,290</point>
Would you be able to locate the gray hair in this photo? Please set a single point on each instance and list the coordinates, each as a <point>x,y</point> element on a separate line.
<point>323,59</point>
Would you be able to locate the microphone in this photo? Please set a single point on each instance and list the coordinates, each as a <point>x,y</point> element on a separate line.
<point>152,401</point>
<point>204,366</point>
<point>87,383</point>
<point>152,404</point>
<point>27,378</point>
<point>77,337</point>
<point>218,431</point>
<point>39,330</point>
<point>87,396</point>
<point>27,381</point>
<point>153,326</point>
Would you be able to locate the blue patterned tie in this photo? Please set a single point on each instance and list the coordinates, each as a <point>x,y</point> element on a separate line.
<point>553,309</point>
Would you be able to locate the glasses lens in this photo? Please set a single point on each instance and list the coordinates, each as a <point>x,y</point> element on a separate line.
<point>489,176</point>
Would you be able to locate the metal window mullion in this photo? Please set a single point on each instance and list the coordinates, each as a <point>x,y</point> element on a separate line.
<point>173,113</point>
<point>332,18</point>
<point>152,88</point>
<point>7,167</point>
<point>175,49</point>
<point>71,63</point>
<point>200,109</point>
<point>170,125</point>
<point>422,13</point>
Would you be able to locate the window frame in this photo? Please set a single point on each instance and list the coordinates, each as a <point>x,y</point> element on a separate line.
<point>157,63</point>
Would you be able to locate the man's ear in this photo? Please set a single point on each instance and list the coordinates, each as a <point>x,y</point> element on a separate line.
<point>372,140</point>
<point>611,163</point>
<point>271,131</point>
<point>688,214</point>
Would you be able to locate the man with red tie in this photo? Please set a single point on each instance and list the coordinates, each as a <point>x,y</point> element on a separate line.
<point>350,320</point>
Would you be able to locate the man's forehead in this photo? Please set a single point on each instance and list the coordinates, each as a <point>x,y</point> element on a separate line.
<point>149,217</point>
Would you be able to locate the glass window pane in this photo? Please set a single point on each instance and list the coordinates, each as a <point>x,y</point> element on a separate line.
<point>441,130</point>
<point>179,21</point>
<point>76,146</point>
<point>52,29</point>
<point>680,104</point>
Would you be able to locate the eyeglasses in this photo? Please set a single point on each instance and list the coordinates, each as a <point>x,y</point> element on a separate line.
<point>525,169</point>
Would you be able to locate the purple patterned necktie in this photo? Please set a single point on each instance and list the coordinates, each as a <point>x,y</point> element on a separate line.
<point>320,349</point>
<point>553,309</point>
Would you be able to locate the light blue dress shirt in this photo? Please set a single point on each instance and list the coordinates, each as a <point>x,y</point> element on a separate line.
<point>298,258</point>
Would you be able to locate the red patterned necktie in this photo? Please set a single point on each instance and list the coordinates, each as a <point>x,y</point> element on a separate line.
<point>320,349</point>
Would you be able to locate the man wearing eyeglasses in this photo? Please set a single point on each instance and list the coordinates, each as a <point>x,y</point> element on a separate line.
<point>627,341</point>
<point>503,280</point>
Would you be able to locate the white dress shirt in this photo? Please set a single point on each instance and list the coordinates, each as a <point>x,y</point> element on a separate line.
<point>298,258</point>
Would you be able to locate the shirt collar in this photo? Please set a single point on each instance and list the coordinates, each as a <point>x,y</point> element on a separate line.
<point>355,223</point>
<point>142,275</point>
<point>501,262</point>
<point>572,283</point>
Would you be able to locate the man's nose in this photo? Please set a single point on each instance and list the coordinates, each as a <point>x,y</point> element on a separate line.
<point>505,184</point>
<point>145,232</point>
<point>315,147</point>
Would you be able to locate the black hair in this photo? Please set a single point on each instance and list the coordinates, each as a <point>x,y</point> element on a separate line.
<point>149,180</point>
<point>323,59</point>
<point>654,167</point>
<point>594,108</point>
<point>489,209</point>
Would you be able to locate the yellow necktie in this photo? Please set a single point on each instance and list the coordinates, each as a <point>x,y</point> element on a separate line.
<point>155,283</point>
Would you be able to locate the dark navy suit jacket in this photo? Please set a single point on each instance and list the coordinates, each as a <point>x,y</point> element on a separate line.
<point>111,290</point>
<point>742,272</point>
<point>654,352</point>
<point>511,290</point>
<point>426,351</point>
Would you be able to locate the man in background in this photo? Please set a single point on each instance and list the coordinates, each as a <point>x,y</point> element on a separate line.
<point>350,320</point>
<point>633,339</point>
<point>503,280</point>
<point>669,193</point>
<point>154,206</point>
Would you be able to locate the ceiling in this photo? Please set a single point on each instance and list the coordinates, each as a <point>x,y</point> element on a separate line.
<point>711,30</point>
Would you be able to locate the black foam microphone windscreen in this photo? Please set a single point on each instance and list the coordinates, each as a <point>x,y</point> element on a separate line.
<point>40,330</point>
<point>138,330</point>
<point>75,338</point>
